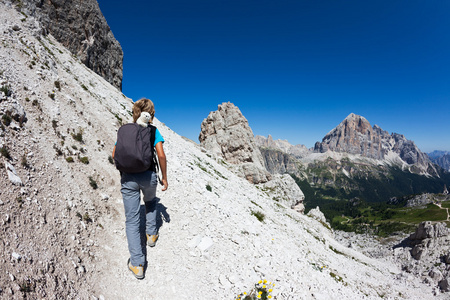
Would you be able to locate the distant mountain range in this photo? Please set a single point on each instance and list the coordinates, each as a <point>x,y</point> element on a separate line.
<point>441,158</point>
<point>356,159</point>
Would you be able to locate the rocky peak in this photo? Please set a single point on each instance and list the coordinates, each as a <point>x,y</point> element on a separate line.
<point>355,135</point>
<point>81,27</point>
<point>226,133</point>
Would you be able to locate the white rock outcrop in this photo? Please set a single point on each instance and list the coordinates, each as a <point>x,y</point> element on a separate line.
<point>227,134</point>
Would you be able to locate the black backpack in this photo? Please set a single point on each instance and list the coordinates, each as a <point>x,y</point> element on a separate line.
<point>135,148</point>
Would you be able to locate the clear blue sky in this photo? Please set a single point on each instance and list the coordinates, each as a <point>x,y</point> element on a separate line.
<point>295,68</point>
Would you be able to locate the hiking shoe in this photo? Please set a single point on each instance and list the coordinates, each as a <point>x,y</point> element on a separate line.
<point>138,272</point>
<point>151,240</point>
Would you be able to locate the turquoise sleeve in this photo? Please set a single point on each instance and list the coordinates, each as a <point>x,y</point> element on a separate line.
<point>158,137</point>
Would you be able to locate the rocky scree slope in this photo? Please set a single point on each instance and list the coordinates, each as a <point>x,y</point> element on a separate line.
<point>227,134</point>
<point>424,254</point>
<point>62,225</point>
<point>55,138</point>
<point>81,28</point>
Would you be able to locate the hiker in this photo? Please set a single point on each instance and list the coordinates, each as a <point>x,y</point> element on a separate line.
<point>132,183</point>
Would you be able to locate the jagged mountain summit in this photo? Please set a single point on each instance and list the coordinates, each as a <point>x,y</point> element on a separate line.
<point>356,160</point>
<point>81,27</point>
<point>62,222</point>
<point>355,135</point>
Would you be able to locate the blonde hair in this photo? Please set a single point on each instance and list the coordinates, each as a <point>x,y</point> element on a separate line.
<point>143,105</point>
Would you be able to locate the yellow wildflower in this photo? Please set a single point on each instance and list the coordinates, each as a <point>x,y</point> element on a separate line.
<point>259,296</point>
<point>260,281</point>
<point>270,290</point>
<point>264,286</point>
<point>270,297</point>
<point>265,281</point>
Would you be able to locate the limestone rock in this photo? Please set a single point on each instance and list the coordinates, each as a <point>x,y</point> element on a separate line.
<point>316,214</point>
<point>284,189</point>
<point>298,151</point>
<point>355,135</point>
<point>227,134</point>
<point>253,173</point>
<point>16,111</point>
<point>279,162</point>
<point>444,284</point>
<point>12,174</point>
<point>81,27</point>
<point>427,230</point>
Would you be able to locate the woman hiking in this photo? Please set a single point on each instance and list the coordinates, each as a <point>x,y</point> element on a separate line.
<point>133,183</point>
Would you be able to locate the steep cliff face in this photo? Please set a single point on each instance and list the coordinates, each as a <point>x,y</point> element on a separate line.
<point>355,135</point>
<point>279,162</point>
<point>298,151</point>
<point>444,162</point>
<point>81,27</point>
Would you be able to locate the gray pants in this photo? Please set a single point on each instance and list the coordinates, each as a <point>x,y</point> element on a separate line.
<point>132,185</point>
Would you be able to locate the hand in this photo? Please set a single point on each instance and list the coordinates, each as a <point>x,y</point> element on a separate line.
<point>165,184</point>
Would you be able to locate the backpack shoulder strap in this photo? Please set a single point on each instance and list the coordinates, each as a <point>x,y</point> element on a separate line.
<point>155,165</point>
<point>152,135</point>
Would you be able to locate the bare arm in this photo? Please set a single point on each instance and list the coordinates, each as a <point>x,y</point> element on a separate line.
<point>162,164</point>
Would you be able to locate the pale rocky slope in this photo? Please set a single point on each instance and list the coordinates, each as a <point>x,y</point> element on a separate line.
<point>62,239</point>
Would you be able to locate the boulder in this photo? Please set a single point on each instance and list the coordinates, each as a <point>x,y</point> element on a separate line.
<point>16,111</point>
<point>444,285</point>
<point>316,214</point>
<point>284,189</point>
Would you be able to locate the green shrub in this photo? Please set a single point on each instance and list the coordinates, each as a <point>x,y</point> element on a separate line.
<point>69,159</point>
<point>93,183</point>
<point>78,136</point>
<point>84,160</point>
<point>87,218</point>
<point>208,187</point>
<point>111,160</point>
<point>5,152</point>
<point>6,119</point>
<point>6,89</point>
<point>259,215</point>
<point>24,162</point>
